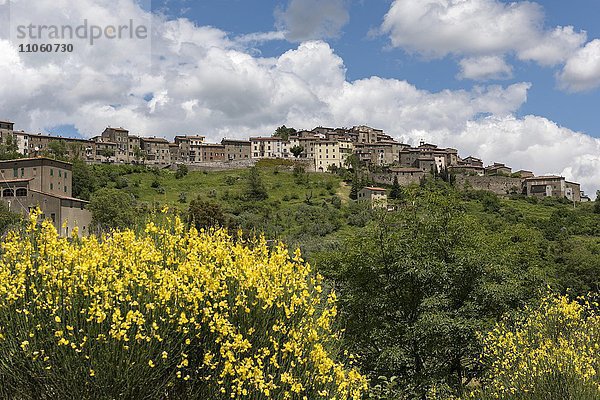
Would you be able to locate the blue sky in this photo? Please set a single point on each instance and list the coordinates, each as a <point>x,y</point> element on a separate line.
<point>366,54</point>
<point>508,81</point>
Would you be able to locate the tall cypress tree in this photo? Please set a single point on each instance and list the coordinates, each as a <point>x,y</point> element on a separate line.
<point>256,189</point>
<point>396,192</point>
<point>355,188</point>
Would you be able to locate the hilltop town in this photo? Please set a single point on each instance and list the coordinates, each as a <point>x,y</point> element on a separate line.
<point>321,149</point>
<point>38,174</point>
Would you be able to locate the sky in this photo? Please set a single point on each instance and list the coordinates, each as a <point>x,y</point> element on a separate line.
<point>508,81</point>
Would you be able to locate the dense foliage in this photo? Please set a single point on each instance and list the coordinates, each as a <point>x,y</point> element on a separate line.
<point>418,284</point>
<point>112,209</point>
<point>166,314</point>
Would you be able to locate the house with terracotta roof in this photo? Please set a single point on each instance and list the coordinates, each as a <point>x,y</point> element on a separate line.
<point>375,196</point>
<point>43,183</point>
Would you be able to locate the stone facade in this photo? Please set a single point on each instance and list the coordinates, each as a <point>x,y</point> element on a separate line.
<point>376,196</point>
<point>45,184</point>
<point>500,185</point>
<point>406,176</point>
<point>236,149</point>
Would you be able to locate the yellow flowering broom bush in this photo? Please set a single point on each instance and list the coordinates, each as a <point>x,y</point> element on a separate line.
<point>166,314</point>
<point>552,353</point>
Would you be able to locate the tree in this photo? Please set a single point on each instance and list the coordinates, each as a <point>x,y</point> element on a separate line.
<point>205,214</point>
<point>284,132</point>
<point>414,292</point>
<point>356,187</point>
<point>57,148</point>
<point>74,150</point>
<point>256,189</point>
<point>112,209</point>
<point>297,150</point>
<point>7,218</point>
<point>139,154</point>
<point>352,162</point>
<point>396,192</point>
<point>182,171</point>
<point>597,203</point>
<point>84,180</point>
<point>9,148</point>
<point>108,153</point>
<point>300,175</point>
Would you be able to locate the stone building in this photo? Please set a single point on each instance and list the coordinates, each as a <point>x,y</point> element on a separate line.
<point>329,153</point>
<point>181,151</point>
<point>552,186</point>
<point>22,142</point>
<point>376,196</point>
<point>266,147</point>
<point>156,150</point>
<point>195,142</point>
<point>523,174</point>
<point>39,144</point>
<point>45,183</point>
<point>211,152</point>
<point>405,175</point>
<point>135,155</point>
<point>6,129</point>
<point>498,169</point>
<point>428,157</point>
<point>104,151</point>
<point>468,166</point>
<point>120,137</point>
<point>236,149</point>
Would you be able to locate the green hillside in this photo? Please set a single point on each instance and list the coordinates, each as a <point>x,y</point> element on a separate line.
<point>416,286</point>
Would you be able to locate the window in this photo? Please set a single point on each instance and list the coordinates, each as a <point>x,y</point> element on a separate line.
<point>53,217</point>
<point>21,192</point>
<point>51,172</point>
<point>59,173</point>
<point>51,186</point>
<point>65,175</point>
<point>8,193</point>
<point>65,189</point>
<point>15,172</point>
<point>22,172</point>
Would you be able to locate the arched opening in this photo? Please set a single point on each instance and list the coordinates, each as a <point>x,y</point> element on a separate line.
<point>21,192</point>
<point>8,193</point>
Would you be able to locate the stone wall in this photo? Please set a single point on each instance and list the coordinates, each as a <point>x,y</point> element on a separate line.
<point>387,178</point>
<point>501,185</point>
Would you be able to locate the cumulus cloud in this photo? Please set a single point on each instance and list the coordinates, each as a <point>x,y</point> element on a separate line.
<point>484,68</point>
<point>476,28</point>
<point>582,70</point>
<point>534,143</point>
<point>312,19</point>
<point>201,81</point>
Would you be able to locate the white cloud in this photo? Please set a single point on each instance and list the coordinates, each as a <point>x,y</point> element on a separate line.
<point>203,82</point>
<point>260,37</point>
<point>484,68</point>
<point>475,28</point>
<point>553,47</point>
<point>534,143</point>
<point>312,19</point>
<point>582,71</point>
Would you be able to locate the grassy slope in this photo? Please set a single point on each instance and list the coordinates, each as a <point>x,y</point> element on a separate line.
<point>280,185</point>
